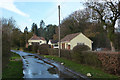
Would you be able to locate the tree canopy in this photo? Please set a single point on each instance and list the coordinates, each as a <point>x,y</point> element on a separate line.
<point>34,29</point>
<point>108,13</point>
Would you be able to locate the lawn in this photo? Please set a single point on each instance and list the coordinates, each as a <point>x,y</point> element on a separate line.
<point>83,69</point>
<point>14,68</point>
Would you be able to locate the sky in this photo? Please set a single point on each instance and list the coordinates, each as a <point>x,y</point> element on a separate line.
<point>25,13</point>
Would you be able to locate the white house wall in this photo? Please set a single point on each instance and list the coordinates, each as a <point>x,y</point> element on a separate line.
<point>42,41</point>
<point>49,42</point>
<point>80,39</point>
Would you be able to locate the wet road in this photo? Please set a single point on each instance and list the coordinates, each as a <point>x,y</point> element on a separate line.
<point>36,67</point>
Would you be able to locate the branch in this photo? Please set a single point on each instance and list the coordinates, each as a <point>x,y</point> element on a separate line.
<point>101,16</point>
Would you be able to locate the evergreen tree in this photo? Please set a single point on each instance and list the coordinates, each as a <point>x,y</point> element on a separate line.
<point>34,29</point>
<point>41,31</point>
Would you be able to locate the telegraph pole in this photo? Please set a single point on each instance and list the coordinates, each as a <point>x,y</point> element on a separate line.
<point>59,29</point>
<point>26,31</point>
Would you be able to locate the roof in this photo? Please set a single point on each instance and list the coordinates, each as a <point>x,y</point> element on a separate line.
<point>69,37</point>
<point>54,41</point>
<point>34,37</point>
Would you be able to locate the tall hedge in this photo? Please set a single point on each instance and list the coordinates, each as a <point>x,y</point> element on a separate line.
<point>110,61</point>
<point>43,49</point>
<point>64,53</point>
<point>82,55</point>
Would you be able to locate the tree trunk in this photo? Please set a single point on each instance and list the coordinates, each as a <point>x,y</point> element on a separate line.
<point>112,46</point>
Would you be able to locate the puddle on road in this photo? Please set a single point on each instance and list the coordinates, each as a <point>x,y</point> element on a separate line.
<point>52,70</point>
<point>35,67</point>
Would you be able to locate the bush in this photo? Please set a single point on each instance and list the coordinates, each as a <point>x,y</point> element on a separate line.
<point>66,54</point>
<point>35,48</point>
<point>29,48</point>
<point>88,58</point>
<point>91,58</point>
<point>52,51</point>
<point>78,57</point>
<point>110,61</point>
<point>43,49</point>
<point>80,48</point>
<point>83,56</point>
<point>78,54</point>
<point>18,49</point>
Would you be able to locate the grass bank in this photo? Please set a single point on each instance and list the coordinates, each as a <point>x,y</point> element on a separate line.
<point>83,69</point>
<point>14,67</point>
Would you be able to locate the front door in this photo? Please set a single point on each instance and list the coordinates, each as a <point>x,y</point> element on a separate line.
<point>63,45</point>
<point>51,46</point>
<point>69,47</point>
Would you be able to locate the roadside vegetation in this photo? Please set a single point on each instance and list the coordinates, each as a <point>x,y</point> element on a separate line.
<point>99,27</point>
<point>81,60</point>
<point>13,68</point>
<point>83,69</point>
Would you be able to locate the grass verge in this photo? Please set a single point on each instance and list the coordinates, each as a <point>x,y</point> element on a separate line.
<point>83,69</point>
<point>14,68</point>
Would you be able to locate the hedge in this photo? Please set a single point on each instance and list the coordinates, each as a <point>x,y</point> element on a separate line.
<point>64,53</point>
<point>110,61</point>
<point>43,49</point>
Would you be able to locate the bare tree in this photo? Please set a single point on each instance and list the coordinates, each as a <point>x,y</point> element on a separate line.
<point>107,12</point>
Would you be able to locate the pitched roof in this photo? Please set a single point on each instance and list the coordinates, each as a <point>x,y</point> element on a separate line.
<point>54,41</point>
<point>69,37</point>
<point>34,37</point>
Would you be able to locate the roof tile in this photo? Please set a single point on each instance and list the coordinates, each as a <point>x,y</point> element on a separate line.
<point>69,37</point>
<point>34,37</point>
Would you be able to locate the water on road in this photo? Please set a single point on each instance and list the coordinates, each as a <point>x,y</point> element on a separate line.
<point>36,67</point>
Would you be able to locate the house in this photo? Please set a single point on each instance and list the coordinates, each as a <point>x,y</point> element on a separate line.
<point>36,40</point>
<point>53,43</point>
<point>72,40</point>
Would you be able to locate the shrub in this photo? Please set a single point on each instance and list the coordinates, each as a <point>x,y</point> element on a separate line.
<point>91,58</point>
<point>87,57</point>
<point>29,48</point>
<point>25,49</point>
<point>35,48</point>
<point>78,54</point>
<point>110,61</point>
<point>78,57</point>
<point>66,54</point>
<point>43,49</point>
<point>80,48</point>
<point>17,48</point>
<point>52,51</point>
<point>83,56</point>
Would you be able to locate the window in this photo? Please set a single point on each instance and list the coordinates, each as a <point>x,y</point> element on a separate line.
<point>80,43</point>
<point>56,45</point>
